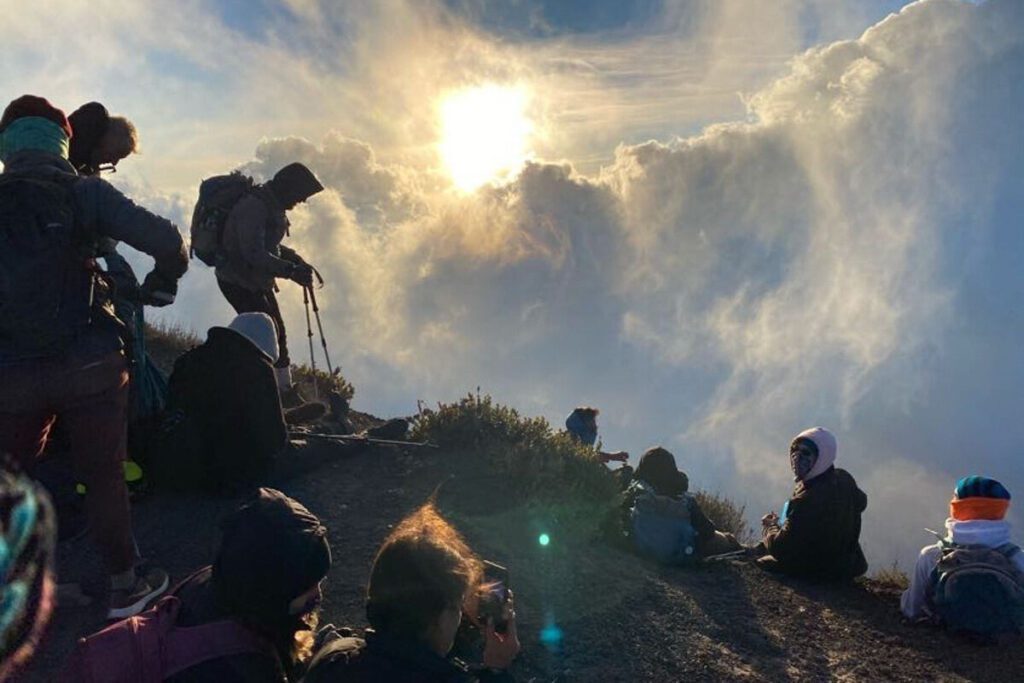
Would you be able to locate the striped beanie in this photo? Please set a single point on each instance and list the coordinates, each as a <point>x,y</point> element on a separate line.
<point>27,585</point>
<point>978,497</point>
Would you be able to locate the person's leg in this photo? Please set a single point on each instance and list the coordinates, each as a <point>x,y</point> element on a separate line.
<point>240,298</point>
<point>274,311</point>
<point>26,417</point>
<point>95,412</point>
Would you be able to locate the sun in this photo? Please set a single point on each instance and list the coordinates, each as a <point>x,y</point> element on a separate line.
<point>485,134</point>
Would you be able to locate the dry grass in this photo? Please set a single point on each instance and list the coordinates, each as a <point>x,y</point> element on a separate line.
<point>726,515</point>
<point>892,577</point>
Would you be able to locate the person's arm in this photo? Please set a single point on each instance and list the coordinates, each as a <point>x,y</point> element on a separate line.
<point>704,527</point>
<point>913,602</point>
<point>290,255</point>
<point>114,215</point>
<point>789,543</point>
<point>267,423</point>
<point>248,220</point>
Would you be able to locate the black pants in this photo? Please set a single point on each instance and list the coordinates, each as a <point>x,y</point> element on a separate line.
<point>247,301</point>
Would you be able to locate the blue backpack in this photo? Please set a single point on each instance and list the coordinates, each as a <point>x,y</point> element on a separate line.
<point>661,527</point>
<point>978,590</point>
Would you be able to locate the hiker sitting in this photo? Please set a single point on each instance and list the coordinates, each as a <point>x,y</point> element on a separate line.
<point>582,426</point>
<point>662,519</point>
<point>28,534</point>
<point>818,534</point>
<point>225,423</point>
<point>253,257</point>
<point>988,598</point>
<point>71,366</point>
<point>249,616</point>
<point>423,579</point>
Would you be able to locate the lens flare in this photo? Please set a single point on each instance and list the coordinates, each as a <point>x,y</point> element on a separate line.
<point>544,539</point>
<point>485,134</point>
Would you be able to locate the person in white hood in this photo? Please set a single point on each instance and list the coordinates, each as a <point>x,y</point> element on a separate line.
<point>977,514</point>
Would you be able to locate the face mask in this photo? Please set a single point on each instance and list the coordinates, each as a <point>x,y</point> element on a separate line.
<point>801,459</point>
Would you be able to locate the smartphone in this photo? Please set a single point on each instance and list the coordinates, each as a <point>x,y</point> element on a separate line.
<point>496,594</point>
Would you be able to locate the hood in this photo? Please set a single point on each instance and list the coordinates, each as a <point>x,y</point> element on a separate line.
<point>259,330</point>
<point>657,467</point>
<point>272,551</point>
<point>293,184</point>
<point>986,532</point>
<point>827,447</point>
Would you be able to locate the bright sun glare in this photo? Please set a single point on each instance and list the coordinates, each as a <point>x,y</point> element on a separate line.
<point>485,132</point>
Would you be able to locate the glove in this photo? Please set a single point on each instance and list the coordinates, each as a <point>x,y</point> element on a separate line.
<point>302,273</point>
<point>158,290</point>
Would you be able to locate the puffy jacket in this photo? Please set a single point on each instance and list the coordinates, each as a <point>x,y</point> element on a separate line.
<point>226,389</point>
<point>103,211</point>
<point>380,659</point>
<point>252,243</point>
<point>820,537</point>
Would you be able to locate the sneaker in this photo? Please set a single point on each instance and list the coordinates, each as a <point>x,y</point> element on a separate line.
<point>124,603</point>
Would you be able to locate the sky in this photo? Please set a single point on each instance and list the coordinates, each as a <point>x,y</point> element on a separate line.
<point>720,222</point>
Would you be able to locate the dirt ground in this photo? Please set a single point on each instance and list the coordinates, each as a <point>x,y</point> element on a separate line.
<point>587,612</point>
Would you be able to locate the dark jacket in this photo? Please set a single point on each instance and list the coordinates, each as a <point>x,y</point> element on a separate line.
<point>380,659</point>
<point>233,425</point>
<point>200,606</point>
<point>820,537</point>
<point>104,212</point>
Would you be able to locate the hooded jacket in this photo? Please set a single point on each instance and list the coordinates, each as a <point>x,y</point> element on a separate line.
<point>820,537</point>
<point>104,212</point>
<point>254,257</point>
<point>234,424</point>
<point>987,532</point>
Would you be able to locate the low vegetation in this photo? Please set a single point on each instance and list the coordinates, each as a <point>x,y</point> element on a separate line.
<point>532,459</point>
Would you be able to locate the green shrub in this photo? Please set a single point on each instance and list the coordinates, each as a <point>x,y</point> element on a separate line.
<point>725,514</point>
<point>534,460</point>
<point>323,381</point>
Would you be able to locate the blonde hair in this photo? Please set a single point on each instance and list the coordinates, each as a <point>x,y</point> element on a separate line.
<point>119,125</point>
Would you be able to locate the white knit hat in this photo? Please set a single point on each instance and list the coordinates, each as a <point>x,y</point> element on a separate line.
<point>827,449</point>
<point>259,329</point>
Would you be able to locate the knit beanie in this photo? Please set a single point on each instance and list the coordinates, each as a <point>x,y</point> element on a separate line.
<point>259,329</point>
<point>273,550</point>
<point>978,497</point>
<point>89,122</point>
<point>30,105</point>
<point>293,184</point>
<point>27,586</point>
<point>825,441</point>
<point>657,467</point>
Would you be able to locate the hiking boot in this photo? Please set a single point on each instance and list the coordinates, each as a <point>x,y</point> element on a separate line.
<point>128,603</point>
<point>305,413</point>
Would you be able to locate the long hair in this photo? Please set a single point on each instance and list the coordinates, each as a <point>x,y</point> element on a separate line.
<point>423,568</point>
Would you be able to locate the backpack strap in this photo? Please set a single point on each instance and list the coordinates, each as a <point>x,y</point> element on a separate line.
<point>185,647</point>
<point>1009,550</point>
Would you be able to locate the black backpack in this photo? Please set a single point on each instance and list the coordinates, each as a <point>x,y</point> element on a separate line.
<point>217,196</point>
<point>47,272</point>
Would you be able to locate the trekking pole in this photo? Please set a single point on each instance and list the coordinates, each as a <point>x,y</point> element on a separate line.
<point>320,326</point>
<point>309,336</point>
<point>355,438</point>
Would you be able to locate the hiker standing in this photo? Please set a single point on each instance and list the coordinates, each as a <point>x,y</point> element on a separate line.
<point>818,534</point>
<point>253,256</point>
<point>61,348</point>
<point>972,580</point>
